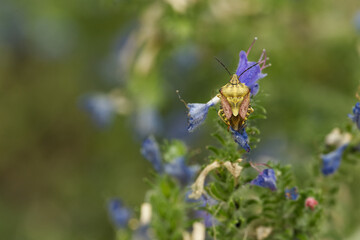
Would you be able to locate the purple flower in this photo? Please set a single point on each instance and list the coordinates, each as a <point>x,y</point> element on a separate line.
<point>151,151</point>
<point>179,170</point>
<point>198,112</point>
<point>331,161</point>
<point>250,72</point>
<point>291,193</point>
<point>355,117</point>
<point>119,214</point>
<point>266,179</point>
<point>100,107</point>
<point>241,138</point>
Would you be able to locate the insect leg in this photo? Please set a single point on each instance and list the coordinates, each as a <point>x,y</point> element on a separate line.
<point>222,116</point>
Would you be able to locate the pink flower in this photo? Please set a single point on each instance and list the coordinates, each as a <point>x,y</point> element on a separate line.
<point>311,203</point>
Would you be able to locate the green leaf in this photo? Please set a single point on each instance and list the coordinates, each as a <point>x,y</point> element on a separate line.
<point>251,202</point>
<point>213,149</point>
<point>219,138</point>
<point>257,116</point>
<point>252,218</point>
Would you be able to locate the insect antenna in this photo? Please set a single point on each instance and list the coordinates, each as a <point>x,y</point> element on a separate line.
<point>223,65</point>
<point>248,69</point>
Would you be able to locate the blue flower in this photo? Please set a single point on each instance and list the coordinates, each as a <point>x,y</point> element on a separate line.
<point>357,21</point>
<point>146,121</point>
<point>179,170</point>
<point>241,138</point>
<point>198,112</point>
<point>100,107</point>
<point>202,202</point>
<point>250,72</point>
<point>119,214</point>
<point>186,57</point>
<point>209,220</point>
<point>291,193</point>
<point>331,161</point>
<point>151,151</point>
<point>266,179</point>
<point>355,117</point>
<point>142,233</point>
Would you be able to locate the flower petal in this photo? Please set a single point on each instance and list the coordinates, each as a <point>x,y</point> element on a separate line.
<point>255,89</point>
<point>146,120</point>
<point>150,150</point>
<point>179,170</point>
<point>241,138</point>
<point>203,201</point>
<point>198,112</point>
<point>266,179</point>
<point>355,117</point>
<point>119,214</point>
<point>243,63</point>
<point>291,193</point>
<point>311,203</point>
<point>337,139</point>
<point>198,186</point>
<point>197,115</point>
<point>251,75</point>
<point>209,220</point>
<point>357,21</point>
<point>100,107</point>
<point>248,73</point>
<point>332,160</point>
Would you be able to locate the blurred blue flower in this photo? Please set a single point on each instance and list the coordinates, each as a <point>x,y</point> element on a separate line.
<point>209,220</point>
<point>266,179</point>
<point>355,117</point>
<point>147,121</point>
<point>179,170</point>
<point>332,160</point>
<point>142,233</point>
<point>291,193</point>
<point>198,112</point>
<point>100,107</point>
<point>357,21</point>
<point>250,72</point>
<point>151,151</point>
<point>241,138</point>
<point>119,214</point>
<point>202,202</point>
<point>186,57</point>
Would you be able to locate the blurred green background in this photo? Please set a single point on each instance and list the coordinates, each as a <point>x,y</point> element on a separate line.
<point>58,169</point>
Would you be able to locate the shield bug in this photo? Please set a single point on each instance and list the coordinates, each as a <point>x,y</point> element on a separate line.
<point>235,101</point>
<point>234,96</point>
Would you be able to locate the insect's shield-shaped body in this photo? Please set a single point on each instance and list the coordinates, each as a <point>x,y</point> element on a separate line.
<point>235,103</point>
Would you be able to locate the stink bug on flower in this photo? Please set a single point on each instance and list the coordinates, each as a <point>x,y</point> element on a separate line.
<point>235,103</point>
<point>234,97</point>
